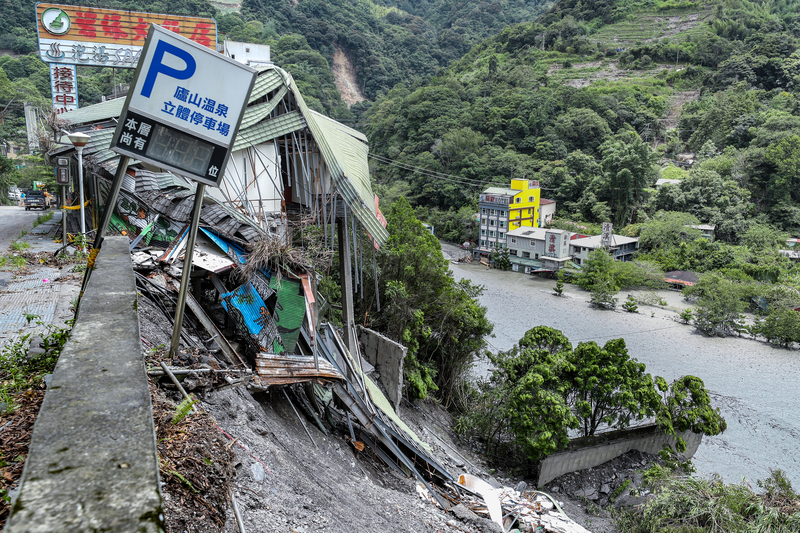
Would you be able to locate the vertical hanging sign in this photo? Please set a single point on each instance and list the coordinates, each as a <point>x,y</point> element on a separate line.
<point>64,86</point>
<point>184,107</point>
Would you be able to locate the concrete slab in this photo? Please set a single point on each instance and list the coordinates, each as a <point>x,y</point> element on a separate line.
<point>93,464</point>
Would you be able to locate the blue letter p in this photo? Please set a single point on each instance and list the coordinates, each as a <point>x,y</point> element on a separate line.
<point>157,66</point>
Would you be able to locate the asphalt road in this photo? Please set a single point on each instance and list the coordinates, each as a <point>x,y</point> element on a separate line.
<point>14,220</point>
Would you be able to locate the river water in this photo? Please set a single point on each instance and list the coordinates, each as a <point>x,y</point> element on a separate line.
<point>754,384</point>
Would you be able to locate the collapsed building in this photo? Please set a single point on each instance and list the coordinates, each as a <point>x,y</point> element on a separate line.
<point>296,189</point>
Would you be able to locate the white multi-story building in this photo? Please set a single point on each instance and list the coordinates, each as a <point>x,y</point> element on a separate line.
<point>493,205</point>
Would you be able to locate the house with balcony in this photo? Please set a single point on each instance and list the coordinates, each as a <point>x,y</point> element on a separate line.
<point>534,250</point>
<point>620,247</point>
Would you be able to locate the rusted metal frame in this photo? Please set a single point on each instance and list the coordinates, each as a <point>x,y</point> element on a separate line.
<point>350,425</point>
<point>346,275</point>
<point>304,404</point>
<point>299,418</point>
<point>355,250</point>
<point>352,370</point>
<point>243,194</point>
<point>278,189</point>
<point>328,352</point>
<point>361,261</point>
<point>334,195</point>
<point>186,338</point>
<point>177,383</point>
<point>248,160</point>
<point>303,168</point>
<point>369,423</point>
<point>426,458</point>
<point>211,328</point>
<point>383,455</point>
<point>324,215</point>
<point>187,269</point>
<point>375,275</point>
<point>235,195</point>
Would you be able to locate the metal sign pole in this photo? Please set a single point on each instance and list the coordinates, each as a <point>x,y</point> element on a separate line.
<point>187,270</point>
<point>64,217</point>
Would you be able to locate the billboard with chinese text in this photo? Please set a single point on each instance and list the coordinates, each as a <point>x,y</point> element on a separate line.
<point>108,37</point>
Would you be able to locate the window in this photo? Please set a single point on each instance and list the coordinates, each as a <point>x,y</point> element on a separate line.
<point>526,255</point>
<point>491,234</point>
<point>537,256</point>
<point>518,200</point>
<point>491,212</point>
<point>492,222</point>
<point>483,242</point>
<point>532,243</point>
<point>483,221</point>
<point>512,251</point>
<point>530,198</point>
<point>483,210</point>
<point>502,224</point>
<point>501,235</point>
<point>529,211</point>
<point>513,240</point>
<point>483,232</point>
<point>247,50</point>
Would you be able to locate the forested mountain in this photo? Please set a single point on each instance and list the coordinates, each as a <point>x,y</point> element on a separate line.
<point>388,41</point>
<point>593,116</point>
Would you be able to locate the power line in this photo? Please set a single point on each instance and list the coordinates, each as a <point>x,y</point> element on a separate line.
<point>432,173</point>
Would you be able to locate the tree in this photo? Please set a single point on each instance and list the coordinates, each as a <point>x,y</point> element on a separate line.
<point>720,305</point>
<point>608,387</point>
<point>782,327</point>
<point>597,277</point>
<point>668,229</point>
<point>686,406</point>
<point>437,317</point>
<point>627,169</point>
<point>536,409</point>
<point>521,412</point>
<point>558,290</point>
<point>500,258</point>
<point>630,305</point>
<point>763,237</point>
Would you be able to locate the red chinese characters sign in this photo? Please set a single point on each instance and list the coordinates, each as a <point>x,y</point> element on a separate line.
<point>108,38</point>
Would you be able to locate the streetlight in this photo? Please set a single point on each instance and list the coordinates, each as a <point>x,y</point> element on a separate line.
<point>79,140</point>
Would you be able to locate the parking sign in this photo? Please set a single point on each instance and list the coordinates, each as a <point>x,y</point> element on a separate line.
<point>184,108</point>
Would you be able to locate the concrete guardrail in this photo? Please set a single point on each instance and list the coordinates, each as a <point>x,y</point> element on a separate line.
<point>93,462</point>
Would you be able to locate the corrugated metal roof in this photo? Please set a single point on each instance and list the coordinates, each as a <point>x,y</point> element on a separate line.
<point>259,112</point>
<point>95,113</point>
<point>269,129</point>
<point>269,79</point>
<point>345,152</point>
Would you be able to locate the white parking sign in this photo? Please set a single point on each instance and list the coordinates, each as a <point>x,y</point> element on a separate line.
<point>185,107</point>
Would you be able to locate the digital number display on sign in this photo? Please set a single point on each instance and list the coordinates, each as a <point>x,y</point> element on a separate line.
<point>184,107</point>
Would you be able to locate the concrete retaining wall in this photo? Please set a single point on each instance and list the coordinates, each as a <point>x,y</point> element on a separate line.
<point>92,463</point>
<point>387,356</point>
<point>591,452</point>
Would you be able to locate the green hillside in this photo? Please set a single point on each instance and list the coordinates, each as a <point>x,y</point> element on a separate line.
<point>391,42</point>
<point>620,89</point>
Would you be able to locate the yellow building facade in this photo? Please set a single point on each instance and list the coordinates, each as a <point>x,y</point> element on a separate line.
<point>524,207</point>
